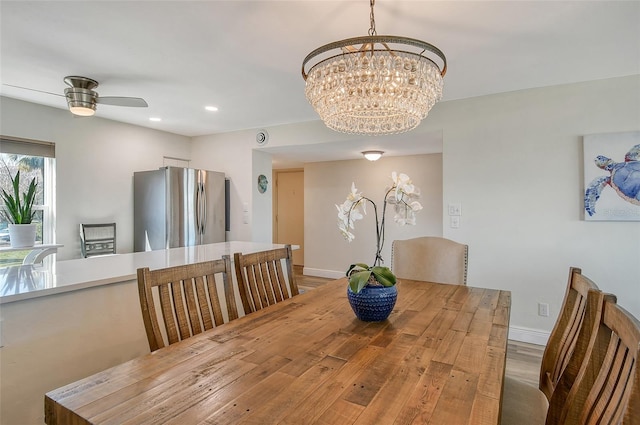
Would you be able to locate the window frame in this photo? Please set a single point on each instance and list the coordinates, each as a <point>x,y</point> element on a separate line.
<point>46,150</point>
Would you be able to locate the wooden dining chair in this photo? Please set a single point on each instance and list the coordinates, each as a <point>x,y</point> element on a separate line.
<point>188,299</point>
<point>261,278</point>
<point>429,258</point>
<point>601,383</point>
<point>525,404</point>
<point>563,337</point>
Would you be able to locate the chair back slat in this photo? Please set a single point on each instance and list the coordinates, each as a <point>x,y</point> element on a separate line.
<point>201,294</point>
<point>215,299</point>
<point>261,278</point>
<point>192,304</point>
<point>166,303</point>
<point>279,276</point>
<point>563,337</point>
<point>179,310</point>
<point>256,287</point>
<point>267,282</point>
<point>189,300</point>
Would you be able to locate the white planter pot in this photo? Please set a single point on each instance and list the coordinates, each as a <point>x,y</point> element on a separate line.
<point>22,235</point>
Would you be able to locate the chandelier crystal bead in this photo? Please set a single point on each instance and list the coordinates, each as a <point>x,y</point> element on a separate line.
<point>377,88</point>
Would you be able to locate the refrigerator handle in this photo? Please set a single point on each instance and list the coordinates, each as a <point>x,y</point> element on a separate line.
<point>203,205</point>
<point>198,210</point>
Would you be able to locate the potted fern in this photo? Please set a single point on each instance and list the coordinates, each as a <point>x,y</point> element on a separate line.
<point>19,212</point>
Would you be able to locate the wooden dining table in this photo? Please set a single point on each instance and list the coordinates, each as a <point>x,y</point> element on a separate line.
<point>438,359</point>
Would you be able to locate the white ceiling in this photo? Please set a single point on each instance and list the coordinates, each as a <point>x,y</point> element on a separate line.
<point>245,56</point>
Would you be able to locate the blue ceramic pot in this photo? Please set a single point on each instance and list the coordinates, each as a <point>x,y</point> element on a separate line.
<point>373,303</point>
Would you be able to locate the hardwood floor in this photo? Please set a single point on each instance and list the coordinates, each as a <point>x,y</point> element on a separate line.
<point>523,359</point>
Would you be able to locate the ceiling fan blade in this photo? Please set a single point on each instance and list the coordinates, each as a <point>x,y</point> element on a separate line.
<point>27,88</point>
<point>122,101</point>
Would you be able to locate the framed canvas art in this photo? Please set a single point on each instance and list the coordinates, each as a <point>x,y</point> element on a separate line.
<point>612,176</point>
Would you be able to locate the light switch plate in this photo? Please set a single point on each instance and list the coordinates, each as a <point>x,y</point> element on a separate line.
<point>455,210</point>
<point>543,309</point>
<point>455,221</point>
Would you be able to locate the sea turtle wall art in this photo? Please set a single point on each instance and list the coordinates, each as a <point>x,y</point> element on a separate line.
<point>612,176</point>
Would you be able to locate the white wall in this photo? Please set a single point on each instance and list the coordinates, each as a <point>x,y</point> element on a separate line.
<point>95,162</point>
<point>514,161</point>
<point>327,253</point>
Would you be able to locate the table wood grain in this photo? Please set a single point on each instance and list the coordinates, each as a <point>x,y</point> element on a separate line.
<point>438,359</point>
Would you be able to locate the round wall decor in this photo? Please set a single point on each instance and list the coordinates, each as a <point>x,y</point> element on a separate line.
<point>262,183</point>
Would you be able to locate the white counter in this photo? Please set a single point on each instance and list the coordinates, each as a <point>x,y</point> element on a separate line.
<point>32,281</point>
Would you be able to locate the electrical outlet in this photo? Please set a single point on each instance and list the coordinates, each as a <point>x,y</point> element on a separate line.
<point>455,221</point>
<point>543,309</point>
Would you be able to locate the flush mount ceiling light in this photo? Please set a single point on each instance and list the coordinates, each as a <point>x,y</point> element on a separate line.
<point>375,84</point>
<point>372,155</point>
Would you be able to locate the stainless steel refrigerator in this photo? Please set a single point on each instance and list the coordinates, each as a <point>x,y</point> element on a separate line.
<point>176,207</point>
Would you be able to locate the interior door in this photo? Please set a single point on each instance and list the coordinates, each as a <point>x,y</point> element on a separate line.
<point>290,211</point>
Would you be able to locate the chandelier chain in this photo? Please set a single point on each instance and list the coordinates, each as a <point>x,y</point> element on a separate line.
<point>372,19</point>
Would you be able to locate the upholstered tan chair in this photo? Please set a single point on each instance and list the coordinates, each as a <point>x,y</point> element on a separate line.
<point>261,278</point>
<point>188,300</point>
<point>431,259</point>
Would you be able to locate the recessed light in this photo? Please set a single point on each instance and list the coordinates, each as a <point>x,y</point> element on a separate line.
<point>211,108</point>
<point>156,119</point>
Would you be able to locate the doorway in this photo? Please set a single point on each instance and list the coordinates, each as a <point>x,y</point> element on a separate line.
<point>288,216</point>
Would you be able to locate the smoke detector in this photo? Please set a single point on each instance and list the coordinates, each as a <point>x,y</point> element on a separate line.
<point>262,137</point>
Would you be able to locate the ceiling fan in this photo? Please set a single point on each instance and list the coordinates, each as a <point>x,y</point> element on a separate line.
<point>82,99</point>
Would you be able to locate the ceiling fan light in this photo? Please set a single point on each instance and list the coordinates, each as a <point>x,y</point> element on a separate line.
<point>372,155</point>
<point>83,111</point>
<point>82,102</point>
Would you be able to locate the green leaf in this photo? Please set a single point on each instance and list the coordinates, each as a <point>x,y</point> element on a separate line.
<point>358,280</point>
<point>384,275</point>
<point>356,268</point>
<point>17,211</point>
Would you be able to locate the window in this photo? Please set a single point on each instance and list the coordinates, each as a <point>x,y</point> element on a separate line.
<point>33,159</point>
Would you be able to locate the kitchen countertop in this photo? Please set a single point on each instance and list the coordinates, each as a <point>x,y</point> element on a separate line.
<point>54,277</point>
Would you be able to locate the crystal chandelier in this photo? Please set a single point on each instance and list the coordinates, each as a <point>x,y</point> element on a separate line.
<point>375,84</point>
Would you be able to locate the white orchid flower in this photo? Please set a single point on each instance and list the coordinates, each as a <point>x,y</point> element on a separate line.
<point>354,195</point>
<point>402,195</point>
<point>402,183</point>
<point>346,233</point>
<point>415,206</point>
<point>355,215</point>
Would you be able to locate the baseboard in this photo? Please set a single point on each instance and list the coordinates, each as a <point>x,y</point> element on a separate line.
<point>330,274</point>
<point>532,336</point>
